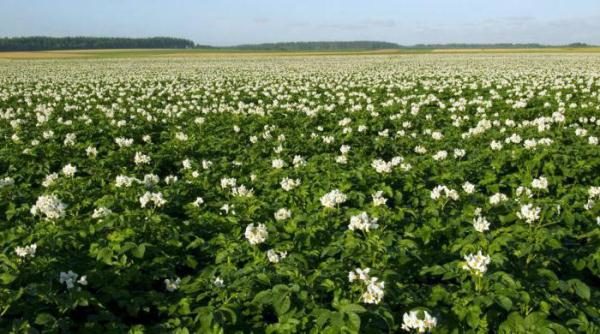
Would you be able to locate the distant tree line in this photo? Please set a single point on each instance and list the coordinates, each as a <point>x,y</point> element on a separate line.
<point>38,43</point>
<point>73,43</point>
<point>319,46</point>
<point>491,46</point>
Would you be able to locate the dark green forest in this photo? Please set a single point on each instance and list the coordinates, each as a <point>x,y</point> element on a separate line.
<point>38,43</point>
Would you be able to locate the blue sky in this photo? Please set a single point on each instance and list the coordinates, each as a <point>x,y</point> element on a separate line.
<point>228,22</point>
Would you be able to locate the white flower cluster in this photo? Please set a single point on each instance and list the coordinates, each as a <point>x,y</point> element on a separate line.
<point>442,190</point>
<point>385,167</point>
<point>593,196</point>
<point>288,184</point>
<point>498,198</point>
<point>333,198</point>
<point>172,285</point>
<point>48,206</point>
<point>373,294</point>
<point>378,198</point>
<point>256,234</point>
<point>480,223</point>
<point>540,183</point>
<point>7,181</point>
<point>242,191</point>
<point>27,251</point>
<point>476,263</point>
<point>529,213</point>
<point>69,170</point>
<point>412,321</point>
<point>363,222</point>
<point>283,214</point>
<point>70,278</point>
<point>154,198</point>
<point>101,212</point>
<point>141,159</point>
<point>468,187</point>
<point>275,256</point>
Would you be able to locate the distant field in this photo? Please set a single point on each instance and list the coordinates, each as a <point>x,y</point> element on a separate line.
<point>124,53</point>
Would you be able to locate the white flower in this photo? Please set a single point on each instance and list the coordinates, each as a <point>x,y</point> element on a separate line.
<point>341,159</point>
<point>199,201</point>
<point>476,263</point>
<point>181,136</point>
<point>218,282</point>
<point>242,191</point>
<point>152,179</point>
<point>481,224</point>
<point>124,181</point>
<point>436,135</point>
<point>48,206</point>
<point>381,166</point>
<point>440,190</point>
<point>170,179</point>
<point>468,187</point>
<point>172,285</point>
<point>154,198</point>
<point>593,140</point>
<point>524,191</point>
<point>187,164</point>
<point>540,183</point>
<point>277,163</point>
<point>27,251</point>
<point>498,198</point>
<point>344,149</point>
<point>283,214</point>
<point>226,208</point>
<point>298,161</point>
<point>440,155</point>
<point>288,184</point>
<point>529,213</point>
<point>206,164</point>
<point>362,222</point>
<point>459,153</point>
<point>49,180</point>
<point>333,198</point>
<point>420,149</point>
<point>7,181</point>
<point>359,274</point>
<point>91,151</point>
<point>101,212</point>
<point>256,234</point>
<point>411,321</point>
<point>141,159</point>
<point>378,198</point>
<point>70,278</point>
<point>70,139</point>
<point>69,170</point>
<point>123,142</point>
<point>275,257</point>
<point>374,291</point>
<point>228,182</point>
<point>496,145</point>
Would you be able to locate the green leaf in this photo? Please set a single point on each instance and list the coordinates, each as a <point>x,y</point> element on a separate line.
<point>44,319</point>
<point>581,289</point>
<point>352,308</point>
<point>504,302</point>
<point>139,251</point>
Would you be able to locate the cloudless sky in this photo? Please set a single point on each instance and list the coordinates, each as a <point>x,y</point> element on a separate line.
<point>229,22</point>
